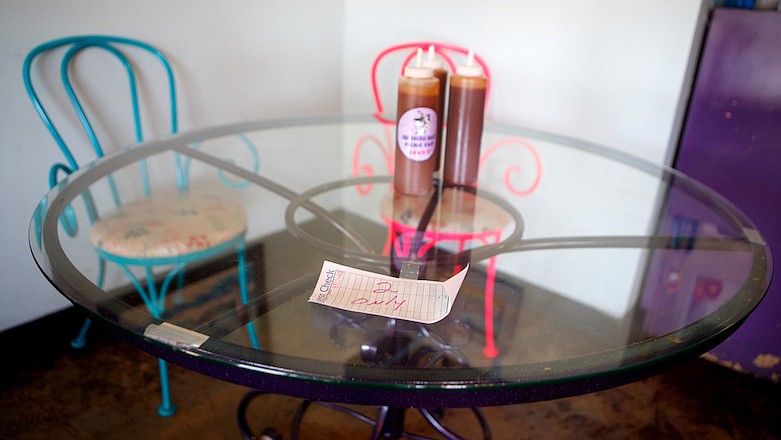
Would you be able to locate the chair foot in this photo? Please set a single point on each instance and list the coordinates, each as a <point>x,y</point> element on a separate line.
<point>81,339</point>
<point>166,410</point>
<point>167,407</point>
<point>79,343</point>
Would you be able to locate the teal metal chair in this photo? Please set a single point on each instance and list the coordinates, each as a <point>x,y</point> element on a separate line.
<point>103,228</point>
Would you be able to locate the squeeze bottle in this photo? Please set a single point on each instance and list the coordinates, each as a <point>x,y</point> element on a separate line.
<point>465,124</point>
<point>416,129</point>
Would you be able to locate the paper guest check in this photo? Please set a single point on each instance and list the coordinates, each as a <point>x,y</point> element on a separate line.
<point>357,290</point>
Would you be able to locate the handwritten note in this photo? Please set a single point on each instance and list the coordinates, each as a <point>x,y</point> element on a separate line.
<point>358,290</point>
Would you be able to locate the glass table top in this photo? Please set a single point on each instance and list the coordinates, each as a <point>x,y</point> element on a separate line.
<point>587,267</point>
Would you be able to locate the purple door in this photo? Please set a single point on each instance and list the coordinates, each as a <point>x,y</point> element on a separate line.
<point>732,142</point>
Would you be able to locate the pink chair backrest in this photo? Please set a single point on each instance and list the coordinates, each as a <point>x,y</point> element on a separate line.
<point>386,145</point>
<point>444,50</point>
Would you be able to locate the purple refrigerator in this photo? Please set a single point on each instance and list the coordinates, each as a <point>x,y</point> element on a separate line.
<point>731,141</point>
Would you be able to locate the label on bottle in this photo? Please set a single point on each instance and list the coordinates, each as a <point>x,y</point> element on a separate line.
<point>417,133</point>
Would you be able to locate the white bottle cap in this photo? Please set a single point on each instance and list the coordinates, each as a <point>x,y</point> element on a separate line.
<point>418,71</point>
<point>471,68</point>
<point>431,61</point>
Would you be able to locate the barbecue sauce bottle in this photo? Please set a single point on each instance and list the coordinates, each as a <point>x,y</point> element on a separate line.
<point>438,68</point>
<point>416,129</point>
<point>465,124</point>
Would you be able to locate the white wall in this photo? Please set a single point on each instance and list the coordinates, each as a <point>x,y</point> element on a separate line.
<point>608,71</point>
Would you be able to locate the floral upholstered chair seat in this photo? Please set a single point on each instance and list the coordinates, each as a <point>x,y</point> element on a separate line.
<point>168,226</point>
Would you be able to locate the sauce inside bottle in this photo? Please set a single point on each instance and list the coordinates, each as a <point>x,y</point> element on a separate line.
<point>416,130</point>
<point>465,124</point>
<point>440,73</point>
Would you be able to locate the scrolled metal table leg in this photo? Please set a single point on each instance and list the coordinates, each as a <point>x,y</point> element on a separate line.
<point>388,424</point>
<point>450,435</point>
<point>246,433</point>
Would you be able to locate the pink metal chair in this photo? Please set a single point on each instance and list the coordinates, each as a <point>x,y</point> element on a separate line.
<point>386,145</point>
<point>404,239</point>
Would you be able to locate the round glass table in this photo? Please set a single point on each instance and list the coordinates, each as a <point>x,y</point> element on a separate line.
<point>587,268</point>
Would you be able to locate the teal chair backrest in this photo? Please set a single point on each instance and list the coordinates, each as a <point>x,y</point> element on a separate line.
<point>113,45</point>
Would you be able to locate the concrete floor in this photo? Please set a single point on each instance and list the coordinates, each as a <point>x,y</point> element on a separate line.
<point>110,390</point>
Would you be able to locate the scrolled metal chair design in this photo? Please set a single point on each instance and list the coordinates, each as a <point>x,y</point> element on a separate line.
<point>110,231</point>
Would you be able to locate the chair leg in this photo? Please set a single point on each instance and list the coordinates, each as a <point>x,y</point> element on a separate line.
<point>81,339</point>
<point>179,296</point>
<point>156,306</point>
<point>155,303</point>
<point>243,290</point>
<point>166,408</point>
